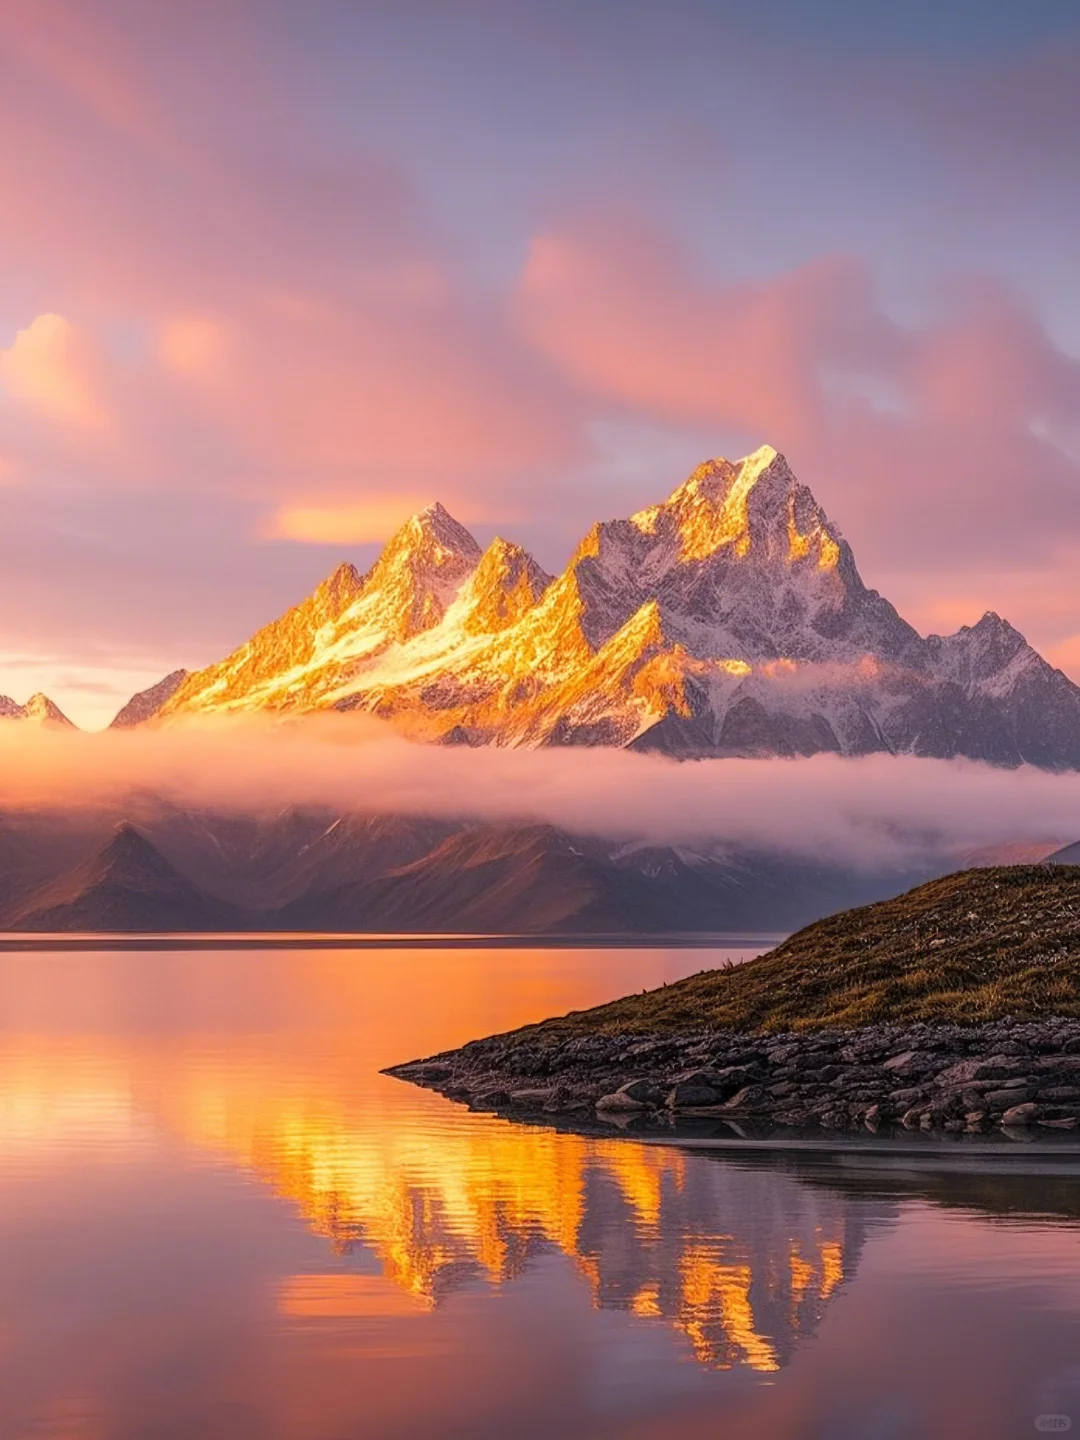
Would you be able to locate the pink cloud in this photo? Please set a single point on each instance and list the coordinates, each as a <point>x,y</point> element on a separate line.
<point>988,365</point>
<point>361,522</point>
<point>196,346</point>
<point>57,43</point>
<point>49,369</point>
<point>614,303</point>
<point>309,341</point>
<point>304,335</point>
<point>946,438</point>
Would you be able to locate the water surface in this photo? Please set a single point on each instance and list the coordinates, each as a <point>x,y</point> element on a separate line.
<point>218,1220</point>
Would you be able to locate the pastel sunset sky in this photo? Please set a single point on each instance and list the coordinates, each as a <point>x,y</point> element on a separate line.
<point>274,274</point>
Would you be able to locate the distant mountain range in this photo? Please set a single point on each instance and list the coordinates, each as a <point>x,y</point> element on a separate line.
<point>187,871</point>
<point>729,620</point>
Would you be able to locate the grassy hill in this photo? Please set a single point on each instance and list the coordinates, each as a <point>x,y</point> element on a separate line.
<point>975,946</point>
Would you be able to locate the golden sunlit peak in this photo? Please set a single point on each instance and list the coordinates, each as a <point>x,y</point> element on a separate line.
<point>646,625</point>
<point>762,457</point>
<point>711,507</point>
<point>716,478</point>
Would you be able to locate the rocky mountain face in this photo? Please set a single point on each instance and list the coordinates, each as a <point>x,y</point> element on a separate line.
<point>35,847</point>
<point>729,620</point>
<point>147,703</point>
<point>38,710</point>
<point>299,870</point>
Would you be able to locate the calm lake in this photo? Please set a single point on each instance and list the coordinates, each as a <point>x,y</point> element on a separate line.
<point>218,1220</point>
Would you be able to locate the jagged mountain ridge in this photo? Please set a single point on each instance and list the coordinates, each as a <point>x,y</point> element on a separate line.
<point>729,620</point>
<point>39,710</point>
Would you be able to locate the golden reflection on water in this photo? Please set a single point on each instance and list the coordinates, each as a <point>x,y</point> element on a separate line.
<point>287,1092</point>
<point>476,1200</point>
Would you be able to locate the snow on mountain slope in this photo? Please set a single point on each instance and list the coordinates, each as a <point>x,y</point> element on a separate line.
<point>306,658</point>
<point>729,620</point>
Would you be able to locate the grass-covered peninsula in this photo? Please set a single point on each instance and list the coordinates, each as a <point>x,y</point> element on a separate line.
<point>974,946</point>
<point>956,1005</point>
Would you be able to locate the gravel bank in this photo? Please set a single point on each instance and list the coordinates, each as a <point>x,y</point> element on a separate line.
<point>1016,1076</point>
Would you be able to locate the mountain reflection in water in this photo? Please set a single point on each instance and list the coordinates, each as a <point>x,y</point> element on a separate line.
<point>741,1262</point>
<point>213,1129</point>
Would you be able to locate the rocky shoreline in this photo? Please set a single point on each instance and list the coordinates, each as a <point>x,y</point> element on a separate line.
<point>1016,1076</point>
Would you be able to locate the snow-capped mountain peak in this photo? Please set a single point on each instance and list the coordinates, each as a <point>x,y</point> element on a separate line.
<point>728,619</point>
<point>750,506</point>
<point>420,571</point>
